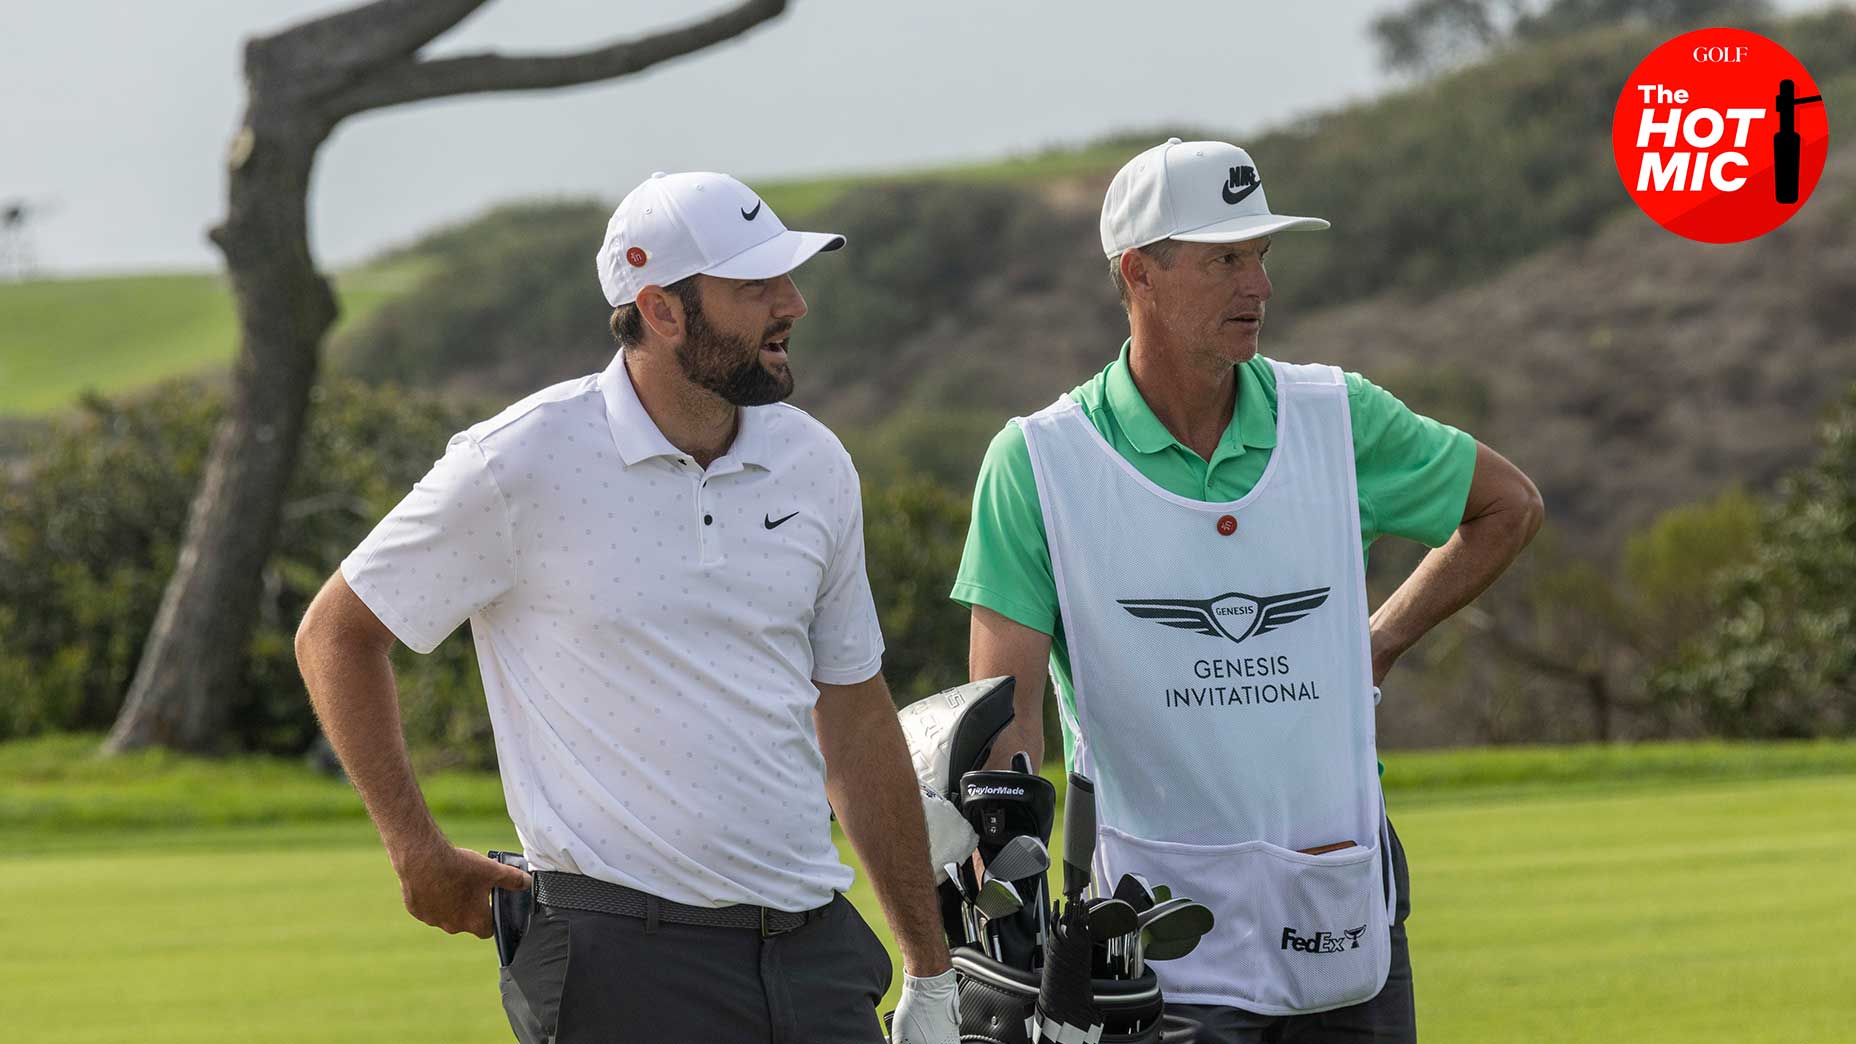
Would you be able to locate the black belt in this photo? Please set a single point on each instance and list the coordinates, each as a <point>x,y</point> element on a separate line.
<point>579,892</point>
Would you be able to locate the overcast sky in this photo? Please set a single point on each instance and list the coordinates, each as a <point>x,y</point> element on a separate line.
<point>117,114</point>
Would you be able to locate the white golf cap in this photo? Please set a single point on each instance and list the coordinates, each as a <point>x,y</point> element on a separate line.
<point>1196,191</point>
<point>678,225</point>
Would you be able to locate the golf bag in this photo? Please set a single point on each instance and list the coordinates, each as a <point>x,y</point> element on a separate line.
<point>999,953</point>
<point>998,1001</point>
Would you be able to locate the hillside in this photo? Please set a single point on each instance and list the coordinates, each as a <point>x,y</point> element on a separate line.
<point>1636,370</point>
<point>1484,263</point>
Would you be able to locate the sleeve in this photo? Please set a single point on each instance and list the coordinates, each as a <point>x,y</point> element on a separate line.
<point>847,639</point>
<point>442,554</point>
<point>1006,563</point>
<point>1414,472</point>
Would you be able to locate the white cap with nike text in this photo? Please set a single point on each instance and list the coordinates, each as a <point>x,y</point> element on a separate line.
<point>1195,191</point>
<point>678,225</point>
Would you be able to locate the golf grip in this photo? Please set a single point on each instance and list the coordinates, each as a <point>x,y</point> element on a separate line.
<point>1079,835</point>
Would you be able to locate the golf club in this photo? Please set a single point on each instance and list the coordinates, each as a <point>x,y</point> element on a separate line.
<point>959,885</point>
<point>1170,930</point>
<point>1022,857</point>
<point>1109,920</point>
<point>1132,891</point>
<point>997,900</point>
<point>1079,836</point>
<point>1024,861</point>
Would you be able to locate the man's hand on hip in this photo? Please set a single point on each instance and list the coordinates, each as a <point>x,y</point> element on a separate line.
<point>1501,514</point>
<point>929,1011</point>
<point>450,887</point>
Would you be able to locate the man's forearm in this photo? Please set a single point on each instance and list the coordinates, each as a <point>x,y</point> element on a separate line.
<point>878,802</point>
<point>1023,734</point>
<point>1448,578</point>
<point>357,702</point>
<point>999,646</point>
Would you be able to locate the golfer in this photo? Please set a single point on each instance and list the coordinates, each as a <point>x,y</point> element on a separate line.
<point>1182,538</point>
<point>663,568</point>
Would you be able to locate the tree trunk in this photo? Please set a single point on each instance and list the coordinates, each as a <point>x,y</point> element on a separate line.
<point>1598,691</point>
<point>194,661</point>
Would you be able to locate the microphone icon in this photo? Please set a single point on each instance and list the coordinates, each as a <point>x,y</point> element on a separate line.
<point>1786,144</point>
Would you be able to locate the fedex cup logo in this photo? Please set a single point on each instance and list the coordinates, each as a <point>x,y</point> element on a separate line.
<point>1322,942</point>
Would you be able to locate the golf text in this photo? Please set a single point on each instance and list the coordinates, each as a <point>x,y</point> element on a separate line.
<point>1322,942</point>
<point>1701,130</point>
<point>1719,135</point>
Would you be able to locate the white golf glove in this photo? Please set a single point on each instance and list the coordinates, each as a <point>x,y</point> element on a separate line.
<point>950,837</point>
<point>929,1011</point>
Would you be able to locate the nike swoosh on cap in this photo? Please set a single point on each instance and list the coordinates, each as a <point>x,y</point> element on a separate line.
<point>752,214</point>
<point>1241,196</point>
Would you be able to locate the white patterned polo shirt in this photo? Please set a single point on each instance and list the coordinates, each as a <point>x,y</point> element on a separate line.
<point>649,633</point>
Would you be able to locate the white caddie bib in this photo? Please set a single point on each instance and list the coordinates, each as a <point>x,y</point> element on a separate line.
<point>1224,699</point>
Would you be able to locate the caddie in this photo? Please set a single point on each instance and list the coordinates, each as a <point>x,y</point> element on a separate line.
<point>663,568</point>
<point>1182,540</point>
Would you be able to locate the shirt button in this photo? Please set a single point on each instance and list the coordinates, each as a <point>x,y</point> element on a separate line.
<point>707,519</point>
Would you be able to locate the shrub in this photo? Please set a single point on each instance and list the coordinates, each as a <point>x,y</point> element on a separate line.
<point>91,518</point>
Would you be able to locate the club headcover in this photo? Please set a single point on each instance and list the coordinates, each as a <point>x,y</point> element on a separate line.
<point>952,732</point>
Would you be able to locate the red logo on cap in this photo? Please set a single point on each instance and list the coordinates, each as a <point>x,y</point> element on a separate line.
<point>1227,524</point>
<point>636,256</point>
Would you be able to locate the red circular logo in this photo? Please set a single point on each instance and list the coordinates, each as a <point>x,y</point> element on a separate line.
<point>1227,524</point>
<point>636,257</point>
<point>1720,135</point>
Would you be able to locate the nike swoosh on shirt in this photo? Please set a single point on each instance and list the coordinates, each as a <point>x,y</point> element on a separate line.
<point>774,523</point>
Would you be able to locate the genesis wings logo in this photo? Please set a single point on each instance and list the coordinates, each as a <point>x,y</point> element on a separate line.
<point>1235,616</point>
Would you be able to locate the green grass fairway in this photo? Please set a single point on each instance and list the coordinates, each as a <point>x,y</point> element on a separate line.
<point>62,337</point>
<point>1659,906</point>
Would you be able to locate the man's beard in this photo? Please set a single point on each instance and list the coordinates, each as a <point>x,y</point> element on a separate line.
<point>729,365</point>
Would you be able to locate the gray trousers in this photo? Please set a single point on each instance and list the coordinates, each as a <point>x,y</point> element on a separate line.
<point>581,977</point>
<point>1388,1018</point>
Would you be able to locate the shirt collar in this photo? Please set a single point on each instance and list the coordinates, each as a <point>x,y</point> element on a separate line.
<point>1253,422</point>
<point>637,436</point>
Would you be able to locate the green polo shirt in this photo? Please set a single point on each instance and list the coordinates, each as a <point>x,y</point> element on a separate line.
<point>1413,476</point>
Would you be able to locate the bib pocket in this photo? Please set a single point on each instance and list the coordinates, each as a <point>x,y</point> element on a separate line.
<point>1294,933</point>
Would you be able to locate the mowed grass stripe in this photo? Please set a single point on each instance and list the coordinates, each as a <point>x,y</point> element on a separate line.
<point>107,334</point>
<point>60,792</point>
<point>296,943</point>
<point>1706,913</point>
<point>1690,913</point>
<point>111,334</point>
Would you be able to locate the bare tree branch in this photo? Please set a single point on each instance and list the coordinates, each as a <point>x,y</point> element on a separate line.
<point>411,81</point>
<point>372,33</point>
